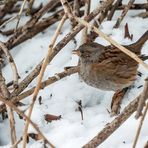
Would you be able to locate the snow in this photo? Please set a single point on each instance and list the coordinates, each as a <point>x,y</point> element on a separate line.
<point>60,98</point>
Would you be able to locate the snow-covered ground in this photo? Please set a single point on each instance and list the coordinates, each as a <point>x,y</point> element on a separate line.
<point>60,98</point>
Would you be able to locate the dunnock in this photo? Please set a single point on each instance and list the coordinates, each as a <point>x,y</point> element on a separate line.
<point>108,68</point>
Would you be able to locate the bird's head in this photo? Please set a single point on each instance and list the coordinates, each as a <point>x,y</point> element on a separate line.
<point>89,51</point>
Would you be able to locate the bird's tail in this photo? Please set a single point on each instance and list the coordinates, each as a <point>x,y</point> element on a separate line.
<point>136,47</point>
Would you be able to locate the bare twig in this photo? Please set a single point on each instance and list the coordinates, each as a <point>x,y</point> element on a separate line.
<point>44,84</point>
<point>50,5</point>
<point>26,117</point>
<point>86,12</point>
<point>76,8</point>
<point>30,7</point>
<point>4,91</point>
<point>140,126</point>
<point>18,16</point>
<point>123,49</point>
<point>7,7</point>
<point>45,62</point>
<point>20,33</point>
<point>68,12</point>
<point>12,63</point>
<point>97,22</point>
<point>26,81</point>
<point>8,21</point>
<point>142,14</point>
<point>142,100</point>
<point>113,9</point>
<point>134,6</point>
<point>16,143</point>
<point>124,12</point>
<point>20,13</point>
<point>104,13</point>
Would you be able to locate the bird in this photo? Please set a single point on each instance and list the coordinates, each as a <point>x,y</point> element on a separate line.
<point>106,67</point>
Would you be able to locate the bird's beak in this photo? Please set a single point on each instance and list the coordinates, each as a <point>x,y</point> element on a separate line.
<point>77,52</point>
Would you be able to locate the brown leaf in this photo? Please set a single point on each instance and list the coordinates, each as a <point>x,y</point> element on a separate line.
<point>49,117</point>
<point>126,32</point>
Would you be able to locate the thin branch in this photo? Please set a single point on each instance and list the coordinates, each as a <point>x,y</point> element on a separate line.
<point>18,16</point>
<point>124,12</point>
<point>27,80</point>
<point>97,22</point>
<point>12,63</point>
<point>20,33</point>
<point>44,65</point>
<point>9,4</point>
<point>142,14</point>
<point>4,91</point>
<point>20,13</point>
<point>142,100</point>
<point>30,7</point>
<point>44,84</point>
<point>8,21</point>
<point>85,30</point>
<point>16,143</point>
<point>140,126</point>
<point>76,8</point>
<point>48,82</point>
<point>134,6</point>
<point>113,9</point>
<point>68,12</point>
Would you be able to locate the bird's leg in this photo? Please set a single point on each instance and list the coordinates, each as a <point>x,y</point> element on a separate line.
<point>116,101</point>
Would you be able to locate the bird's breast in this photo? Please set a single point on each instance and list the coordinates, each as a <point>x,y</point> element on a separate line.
<point>98,80</point>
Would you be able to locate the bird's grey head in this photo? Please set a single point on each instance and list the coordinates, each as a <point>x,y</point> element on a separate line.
<point>89,51</point>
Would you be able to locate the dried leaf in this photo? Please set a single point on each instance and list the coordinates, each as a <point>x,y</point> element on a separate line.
<point>50,118</point>
<point>126,32</point>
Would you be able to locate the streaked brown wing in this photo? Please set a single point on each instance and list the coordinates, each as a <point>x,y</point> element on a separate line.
<point>116,65</point>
